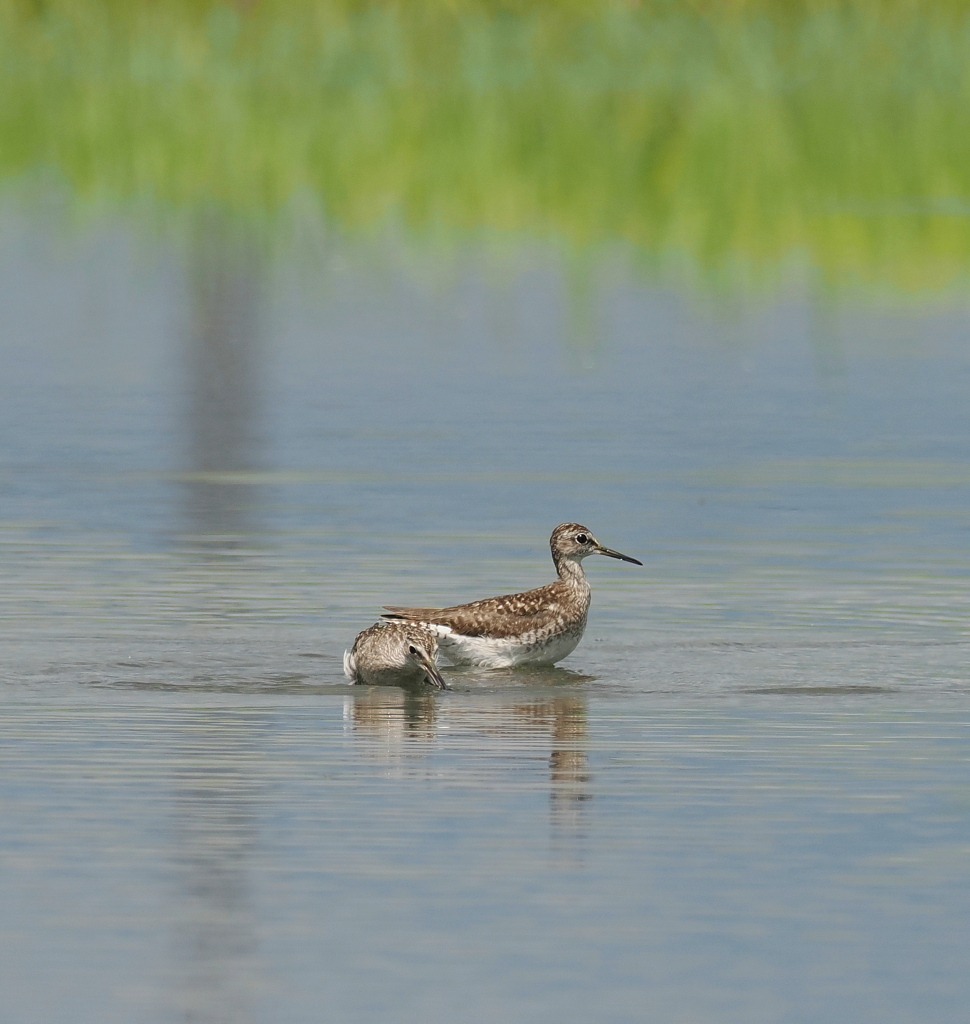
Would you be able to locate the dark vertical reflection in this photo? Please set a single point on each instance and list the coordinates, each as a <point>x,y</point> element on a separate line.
<point>217,798</point>
<point>223,445</point>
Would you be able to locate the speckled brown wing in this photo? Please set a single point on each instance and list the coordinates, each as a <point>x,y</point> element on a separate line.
<point>497,617</point>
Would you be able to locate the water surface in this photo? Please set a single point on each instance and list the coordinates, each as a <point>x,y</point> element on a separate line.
<point>743,798</point>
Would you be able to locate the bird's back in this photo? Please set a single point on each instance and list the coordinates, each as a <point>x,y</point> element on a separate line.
<point>509,615</point>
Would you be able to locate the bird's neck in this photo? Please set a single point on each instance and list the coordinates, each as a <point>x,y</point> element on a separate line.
<point>571,573</point>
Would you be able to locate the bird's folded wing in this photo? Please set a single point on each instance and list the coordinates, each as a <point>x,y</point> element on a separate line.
<point>496,617</point>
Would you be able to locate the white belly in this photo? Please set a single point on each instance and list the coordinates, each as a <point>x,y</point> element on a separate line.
<point>491,653</point>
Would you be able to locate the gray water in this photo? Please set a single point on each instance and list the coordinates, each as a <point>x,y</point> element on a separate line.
<point>743,799</point>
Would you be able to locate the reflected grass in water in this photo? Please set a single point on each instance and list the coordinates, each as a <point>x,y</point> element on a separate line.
<point>724,138</point>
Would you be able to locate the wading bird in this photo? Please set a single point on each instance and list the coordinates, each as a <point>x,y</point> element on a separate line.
<point>536,627</point>
<point>394,654</point>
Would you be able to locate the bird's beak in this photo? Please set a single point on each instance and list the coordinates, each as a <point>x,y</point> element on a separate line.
<point>610,553</point>
<point>434,676</point>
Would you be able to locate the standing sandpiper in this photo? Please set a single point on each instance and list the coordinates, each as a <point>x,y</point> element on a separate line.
<point>394,654</point>
<point>537,627</point>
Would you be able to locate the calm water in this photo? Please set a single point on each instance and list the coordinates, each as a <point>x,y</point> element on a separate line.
<point>743,799</point>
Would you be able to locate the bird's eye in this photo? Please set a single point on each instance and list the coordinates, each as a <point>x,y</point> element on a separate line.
<point>412,650</point>
<point>581,538</point>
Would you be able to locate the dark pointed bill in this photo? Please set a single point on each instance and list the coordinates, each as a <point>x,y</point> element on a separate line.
<point>600,550</point>
<point>434,676</point>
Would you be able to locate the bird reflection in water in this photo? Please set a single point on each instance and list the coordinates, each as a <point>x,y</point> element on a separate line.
<point>394,716</point>
<point>217,798</point>
<point>407,724</point>
<point>568,767</point>
<point>564,718</point>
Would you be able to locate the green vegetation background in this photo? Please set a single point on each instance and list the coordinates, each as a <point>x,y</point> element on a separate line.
<point>710,135</point>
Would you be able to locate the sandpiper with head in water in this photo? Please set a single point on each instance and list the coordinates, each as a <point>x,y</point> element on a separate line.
<point>394,654</point>
<point>537,627</point>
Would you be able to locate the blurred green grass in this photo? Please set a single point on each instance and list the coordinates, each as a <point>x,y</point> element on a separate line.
<point>720,139</point>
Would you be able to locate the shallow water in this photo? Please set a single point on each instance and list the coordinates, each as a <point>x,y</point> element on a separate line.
<point>742,799</point>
